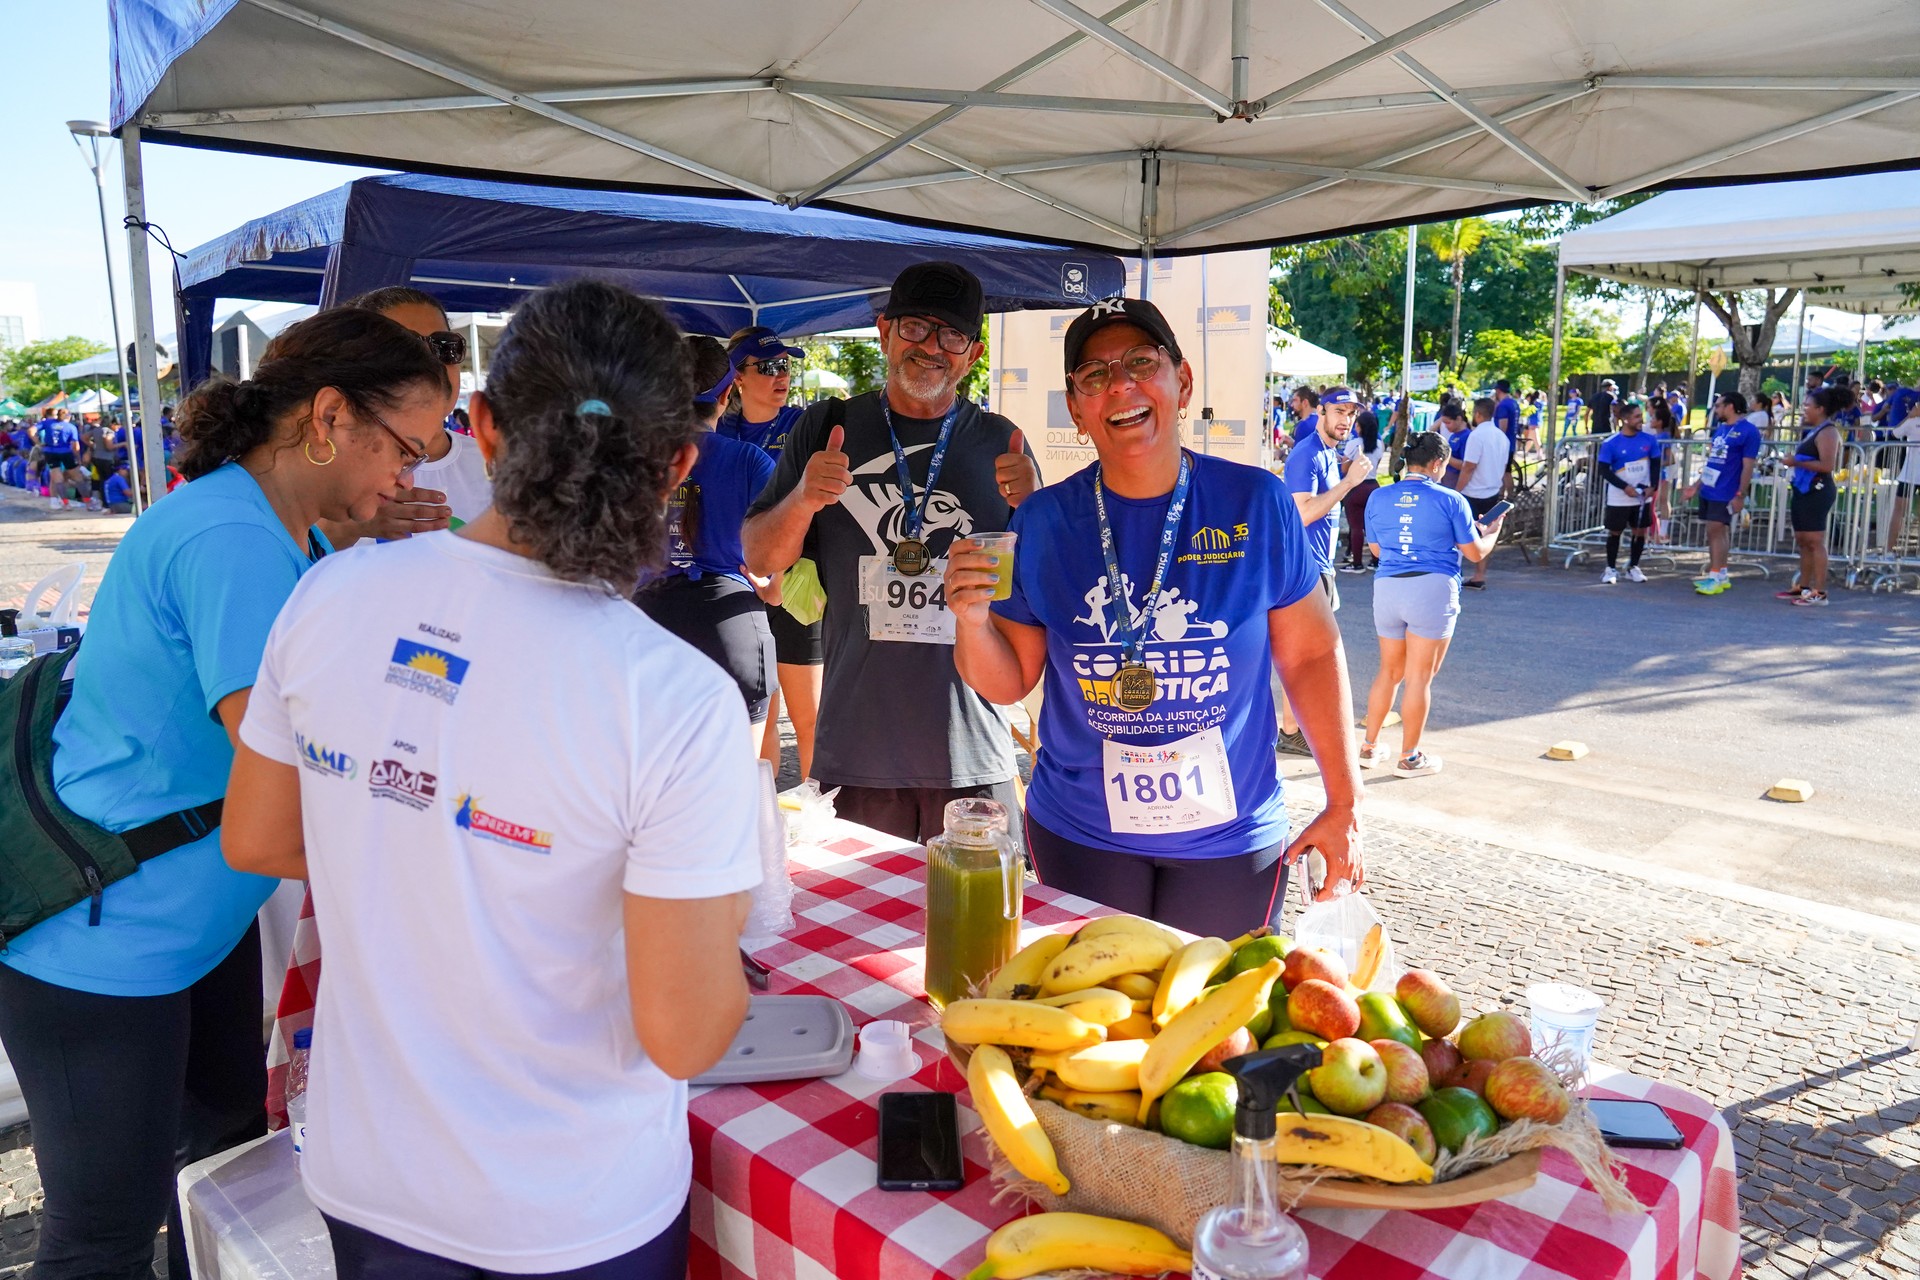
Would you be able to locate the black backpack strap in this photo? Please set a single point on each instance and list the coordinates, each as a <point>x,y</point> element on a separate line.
<point>163,835</point>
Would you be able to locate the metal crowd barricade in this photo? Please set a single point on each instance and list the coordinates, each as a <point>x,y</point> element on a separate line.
<point>1876,535</point>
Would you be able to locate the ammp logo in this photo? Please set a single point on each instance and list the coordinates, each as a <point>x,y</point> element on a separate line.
<point>324,760</point>
<point>1073,280</point>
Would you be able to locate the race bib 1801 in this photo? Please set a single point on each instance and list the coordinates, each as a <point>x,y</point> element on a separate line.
<point>912,609</point>
<point>1183,785</point>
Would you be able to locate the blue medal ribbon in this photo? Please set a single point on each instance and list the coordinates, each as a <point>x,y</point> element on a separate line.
<point>916,512</point>
<point>1133,640</point>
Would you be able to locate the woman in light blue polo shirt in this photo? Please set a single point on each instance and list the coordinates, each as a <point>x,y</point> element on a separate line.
<point>133,1020</point>
<point>1418,529</point>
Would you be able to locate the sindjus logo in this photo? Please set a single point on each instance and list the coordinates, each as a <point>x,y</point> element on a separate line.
<point>324,760</point>
<point>392,780</point>
<point>471,817</point>
<point>425,669</point>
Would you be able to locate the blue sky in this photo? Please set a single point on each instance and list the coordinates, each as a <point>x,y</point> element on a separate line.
<point>49,220</point>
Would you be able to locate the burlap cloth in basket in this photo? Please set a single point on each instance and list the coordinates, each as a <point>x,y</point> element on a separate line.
<point>1166,1184</point>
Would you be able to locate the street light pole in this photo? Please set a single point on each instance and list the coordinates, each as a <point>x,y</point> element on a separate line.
<point>93,131</point>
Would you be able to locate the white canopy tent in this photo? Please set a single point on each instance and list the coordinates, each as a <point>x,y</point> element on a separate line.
<point>1293,358</point>
<point>1150,127</point>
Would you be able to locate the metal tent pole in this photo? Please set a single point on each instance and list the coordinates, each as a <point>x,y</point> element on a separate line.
<point>1693,355</point>
<point>1551,440</point>
<point>93,131</point>
<point>1149,218</point>
<point>1799,348</point>
<point>1860,364</point>
<point>1406,329</point>
<point>1206,365</point>
<point>151,438</point>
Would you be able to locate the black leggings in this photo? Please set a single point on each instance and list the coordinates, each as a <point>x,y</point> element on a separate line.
<point>1213,897</point>
<point>124,1092</point>
<point>724,619</point>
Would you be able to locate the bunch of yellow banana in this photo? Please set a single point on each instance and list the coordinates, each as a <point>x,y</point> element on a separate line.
<point>1018,1022</point>
<point>1201,1026</point>
<point>1353,1145</point>
<point>1009,1118</point>
<point>1122,945</point>
<point>1078,1242</point>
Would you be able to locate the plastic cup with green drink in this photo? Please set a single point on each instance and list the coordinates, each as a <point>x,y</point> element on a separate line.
<point>1000,547</point>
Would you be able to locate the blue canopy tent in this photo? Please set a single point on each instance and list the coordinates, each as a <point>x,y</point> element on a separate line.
<point>717,264</point>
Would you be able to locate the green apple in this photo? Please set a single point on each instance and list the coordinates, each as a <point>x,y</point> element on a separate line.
<point>1350,1078</point>
<point>1381,1018</point>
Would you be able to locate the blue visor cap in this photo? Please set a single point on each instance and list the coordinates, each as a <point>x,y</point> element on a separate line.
<point>762,344</point>
<point>1337,395</point>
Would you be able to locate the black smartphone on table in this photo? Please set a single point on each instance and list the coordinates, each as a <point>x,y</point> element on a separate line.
<point>1627,1123</point>
<point>920,1143</point>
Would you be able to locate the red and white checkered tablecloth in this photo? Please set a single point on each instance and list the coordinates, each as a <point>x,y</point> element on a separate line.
<point>784,1178</point>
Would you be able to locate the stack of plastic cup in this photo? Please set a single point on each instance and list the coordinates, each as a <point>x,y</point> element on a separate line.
<point>1564,1016</point>
<point>886,1052</point>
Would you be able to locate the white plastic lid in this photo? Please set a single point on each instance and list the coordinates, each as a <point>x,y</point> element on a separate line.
<point>886,1051</point>
<point>1562,997</point>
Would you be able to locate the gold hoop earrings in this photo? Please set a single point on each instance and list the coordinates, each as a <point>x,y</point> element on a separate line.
<point>333,452</point>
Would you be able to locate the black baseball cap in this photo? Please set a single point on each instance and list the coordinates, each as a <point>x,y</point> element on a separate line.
<point>1137,312</point>
<point>946,291</point>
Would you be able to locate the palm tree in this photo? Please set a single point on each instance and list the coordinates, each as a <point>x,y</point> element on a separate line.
<point>1453,243</point>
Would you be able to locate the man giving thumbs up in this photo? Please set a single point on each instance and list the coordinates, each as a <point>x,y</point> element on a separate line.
<point>875,490</point>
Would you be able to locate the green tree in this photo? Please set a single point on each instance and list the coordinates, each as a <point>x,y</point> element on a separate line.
<point>32,373</point>
<point>1346,294</point>
<point>1453,243</point>
<point>1894,360</point>
<point>1527,358</point>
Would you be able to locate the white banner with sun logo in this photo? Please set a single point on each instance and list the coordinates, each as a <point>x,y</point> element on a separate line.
<point>1028,384</point>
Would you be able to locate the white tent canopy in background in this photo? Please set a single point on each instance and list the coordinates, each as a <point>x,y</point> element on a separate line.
<point>1292,358</point>
<point>1149,126</point>
<point>1852,242</point>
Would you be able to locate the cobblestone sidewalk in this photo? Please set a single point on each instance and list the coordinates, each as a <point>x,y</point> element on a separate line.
<point>1798,1032</point>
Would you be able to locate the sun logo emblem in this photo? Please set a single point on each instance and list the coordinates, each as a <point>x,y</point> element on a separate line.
<point>432,664</point>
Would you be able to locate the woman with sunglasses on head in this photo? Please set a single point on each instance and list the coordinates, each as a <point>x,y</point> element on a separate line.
<point>1153,592</point>
<point>760,416</point>
<point>706,596</point>
<point>533,900</point>
<point>449,485</point>
<point>133,1020</point>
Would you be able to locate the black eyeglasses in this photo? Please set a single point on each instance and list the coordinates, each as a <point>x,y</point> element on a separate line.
<point>448,347</point>
<point>771,368</point>
<point>413,459</point>
<point>1140,363</point>
<point>916,330</point>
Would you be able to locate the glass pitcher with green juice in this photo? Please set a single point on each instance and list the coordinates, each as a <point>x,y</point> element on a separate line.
<point>975,895</point>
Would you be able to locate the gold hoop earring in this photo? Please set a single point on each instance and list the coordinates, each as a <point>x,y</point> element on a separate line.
<point>334,449</point>
<point>1183,415</point>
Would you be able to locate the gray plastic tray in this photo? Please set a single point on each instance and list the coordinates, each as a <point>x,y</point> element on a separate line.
<point>786,1038</point>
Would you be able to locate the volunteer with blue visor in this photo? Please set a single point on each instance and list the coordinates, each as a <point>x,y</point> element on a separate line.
<point>133,1019</point>
<point>1153,591</point>
<point>706,596</point>
<point>759,414</point>
<point>1418,529</point>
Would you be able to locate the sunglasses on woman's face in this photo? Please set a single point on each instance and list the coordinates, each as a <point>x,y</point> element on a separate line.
<point>771,368</point>
<point>448,347</point>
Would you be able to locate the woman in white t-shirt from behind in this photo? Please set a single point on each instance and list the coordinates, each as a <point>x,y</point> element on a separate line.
<point>529,818</point>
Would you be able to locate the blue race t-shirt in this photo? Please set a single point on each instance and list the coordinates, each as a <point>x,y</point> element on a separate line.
<point>117,489</point>
<point>1506,416</point>
<point>770,436</point>
<point>727,477</point>
<point>1726,458</point>
<point>1305,427</point>
<point>1314,467</point>
<point>1900,405</point>
<point>56,436</point>
<point>1574,405</point>
<point>1239,552</point>
<point>180,622</point>
<point>1456,452</point>
<point>1635,459</point>
<point>1419,526</point>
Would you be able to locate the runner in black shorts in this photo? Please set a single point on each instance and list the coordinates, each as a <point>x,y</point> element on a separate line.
<point>1814,492</point>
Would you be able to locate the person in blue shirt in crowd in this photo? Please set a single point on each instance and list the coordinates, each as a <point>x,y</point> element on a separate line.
<point>1320,480</point>
<point>1506,415</point>
<point>1574,405</point>
<point>1722,487</point>
<point>1153,591</point>
<point>1453,425</point>
<point>119,492</point>
<point>133,1020</point>
<point>1629,465</point>
<point>1306,407</point>
<point>59,442</point>
<point>1811,478</point>
<point>759,415</point>
<point>706,596</point>
<point>1418,529</point>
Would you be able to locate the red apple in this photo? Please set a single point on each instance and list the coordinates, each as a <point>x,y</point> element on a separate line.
<point>1407,1079</point>
<point>1351,1080</point>
<point>1472,1074</point>
<point>1430,1005</point>
<point>1408,1125</point>
<point>1525,1089</point>
<point>1305,963</point>
<point>1442,1059</point>
<point>1233,1046</point>
<point>1322,1008</point>
<point>1495,1036</point>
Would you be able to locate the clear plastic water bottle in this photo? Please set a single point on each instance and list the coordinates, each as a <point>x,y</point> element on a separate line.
<point>16,651</point>
<point>297,1089</point>
<point>1250,1238</point>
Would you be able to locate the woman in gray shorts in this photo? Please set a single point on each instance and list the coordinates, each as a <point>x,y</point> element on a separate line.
<point>1418,529</point>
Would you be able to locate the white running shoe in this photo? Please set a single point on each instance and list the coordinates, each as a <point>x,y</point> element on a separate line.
<point>1634,574</point>
<point>1417,765</point>
<point>1372,756</point>
<point>53,503</point>
<point>1609,577</point>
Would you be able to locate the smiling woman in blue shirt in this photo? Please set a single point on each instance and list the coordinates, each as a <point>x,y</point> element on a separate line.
<point>133,1020</point>
<point>1153,592</point>
<point>1418,529</point>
